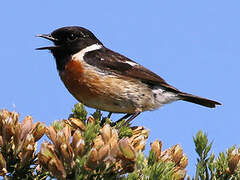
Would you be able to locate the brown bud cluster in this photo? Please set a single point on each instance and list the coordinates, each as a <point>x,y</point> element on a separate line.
<point>109,149</point>
<point>233,160</point>
<point>17,141</point>
<point>60,156</point>
<point>173,154</point>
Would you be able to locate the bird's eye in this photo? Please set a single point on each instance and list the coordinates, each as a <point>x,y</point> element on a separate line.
<point>71,37</point>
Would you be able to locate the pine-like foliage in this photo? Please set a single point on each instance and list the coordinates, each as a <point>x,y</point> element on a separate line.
<point>91,147</point>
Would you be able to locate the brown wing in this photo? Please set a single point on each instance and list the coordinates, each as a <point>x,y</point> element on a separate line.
<point>110,61</point>
<point>113,62</point>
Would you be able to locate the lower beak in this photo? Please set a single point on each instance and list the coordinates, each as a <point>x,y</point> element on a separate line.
<point>47,47</point>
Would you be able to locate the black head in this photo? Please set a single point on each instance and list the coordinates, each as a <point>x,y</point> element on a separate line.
<point>68,41</point>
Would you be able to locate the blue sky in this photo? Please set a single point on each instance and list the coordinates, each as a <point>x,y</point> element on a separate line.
<point>193,45</point>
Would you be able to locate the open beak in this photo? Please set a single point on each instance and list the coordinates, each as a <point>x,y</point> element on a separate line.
<point>49,37</point>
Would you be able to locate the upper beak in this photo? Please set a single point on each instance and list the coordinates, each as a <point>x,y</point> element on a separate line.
<point>49,37</point>
<point>46,36</point>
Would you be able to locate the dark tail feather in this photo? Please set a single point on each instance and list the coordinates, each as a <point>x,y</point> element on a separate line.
<point>199,100</point>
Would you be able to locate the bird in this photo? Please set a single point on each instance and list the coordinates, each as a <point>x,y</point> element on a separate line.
<point>103,79</point>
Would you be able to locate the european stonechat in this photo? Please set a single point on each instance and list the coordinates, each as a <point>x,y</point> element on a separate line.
<point>106,80</point>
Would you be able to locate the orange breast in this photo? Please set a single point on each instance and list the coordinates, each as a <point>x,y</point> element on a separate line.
<point>74,78</point>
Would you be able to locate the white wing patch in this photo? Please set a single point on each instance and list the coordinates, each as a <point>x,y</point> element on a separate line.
<point>81,53</point>
<point>131,63</point>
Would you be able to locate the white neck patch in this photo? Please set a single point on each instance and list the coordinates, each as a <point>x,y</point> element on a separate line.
<point>81,53</point>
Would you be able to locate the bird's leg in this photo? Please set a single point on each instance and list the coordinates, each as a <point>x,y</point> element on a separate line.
<point>109,115</point>
<point>131,118</point>
<point>104,119</point>
<point>124,117</point>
